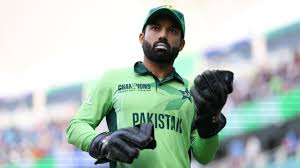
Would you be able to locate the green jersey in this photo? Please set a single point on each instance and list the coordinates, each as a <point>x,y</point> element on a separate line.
<point>131,96</point>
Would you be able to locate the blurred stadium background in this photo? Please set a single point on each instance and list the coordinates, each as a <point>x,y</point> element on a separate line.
<point>53,51</point>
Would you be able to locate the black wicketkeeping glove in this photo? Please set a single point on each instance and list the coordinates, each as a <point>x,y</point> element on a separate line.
<point>210,92</point>
<point>124,144</point>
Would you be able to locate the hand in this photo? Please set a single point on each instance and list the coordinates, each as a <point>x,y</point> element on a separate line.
<point>210,92</point>
<point>124,144</point>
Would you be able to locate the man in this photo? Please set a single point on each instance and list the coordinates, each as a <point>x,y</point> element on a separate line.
<point>153,119</point>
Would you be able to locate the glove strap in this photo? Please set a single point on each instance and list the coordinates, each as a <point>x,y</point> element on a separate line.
<point>97,146</point>
<point>209,126</point>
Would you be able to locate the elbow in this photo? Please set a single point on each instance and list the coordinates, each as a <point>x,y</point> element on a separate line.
<point>68,134</point>
<point>206,155</point>
<point>205,161</point>
<point>204,150</point>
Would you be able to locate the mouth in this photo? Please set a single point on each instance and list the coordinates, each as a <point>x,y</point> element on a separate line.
<point>160,46</point>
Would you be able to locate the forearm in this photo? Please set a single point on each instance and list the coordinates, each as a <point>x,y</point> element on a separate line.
<point>81,129</point>
<point>210,92</point>
<point>204,150</point>
<point>80,134</point>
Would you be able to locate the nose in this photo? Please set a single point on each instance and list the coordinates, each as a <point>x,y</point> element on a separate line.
<point>163,34</point>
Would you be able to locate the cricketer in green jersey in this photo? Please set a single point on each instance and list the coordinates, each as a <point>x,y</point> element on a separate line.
<point>155,117</point>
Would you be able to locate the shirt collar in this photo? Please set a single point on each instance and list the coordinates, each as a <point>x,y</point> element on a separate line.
<point>140,68</point>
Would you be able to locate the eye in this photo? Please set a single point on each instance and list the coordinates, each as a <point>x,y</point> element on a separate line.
<point>154,27</point>
<point>174,30</point>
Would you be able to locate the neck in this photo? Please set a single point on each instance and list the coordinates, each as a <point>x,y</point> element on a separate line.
<point>158,69</point>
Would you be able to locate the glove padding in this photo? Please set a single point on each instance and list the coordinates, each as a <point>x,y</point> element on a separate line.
<point>210,92</point>
<point>124,144</point>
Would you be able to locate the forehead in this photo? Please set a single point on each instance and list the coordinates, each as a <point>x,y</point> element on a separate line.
<point>163,18</point>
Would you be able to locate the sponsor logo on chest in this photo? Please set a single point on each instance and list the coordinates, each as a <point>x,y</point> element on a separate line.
<point>134,87</point>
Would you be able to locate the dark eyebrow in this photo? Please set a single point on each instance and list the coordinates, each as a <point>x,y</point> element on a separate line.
<point>176,27</point>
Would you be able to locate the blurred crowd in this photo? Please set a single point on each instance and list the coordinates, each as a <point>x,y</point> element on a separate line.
<point>267,81</point>
<point>44,145</point>
<point>249,153</point>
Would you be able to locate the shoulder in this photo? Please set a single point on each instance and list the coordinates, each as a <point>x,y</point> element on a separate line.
<point>187,82</point>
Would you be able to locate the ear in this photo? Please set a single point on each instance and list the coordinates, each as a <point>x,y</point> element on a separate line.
<point>141,37</point>
<point>182,43</point>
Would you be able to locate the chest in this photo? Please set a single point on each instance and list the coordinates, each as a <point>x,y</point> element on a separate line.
<point>168,106</point>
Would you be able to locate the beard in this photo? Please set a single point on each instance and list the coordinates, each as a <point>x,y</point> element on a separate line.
<point>160,56</point>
